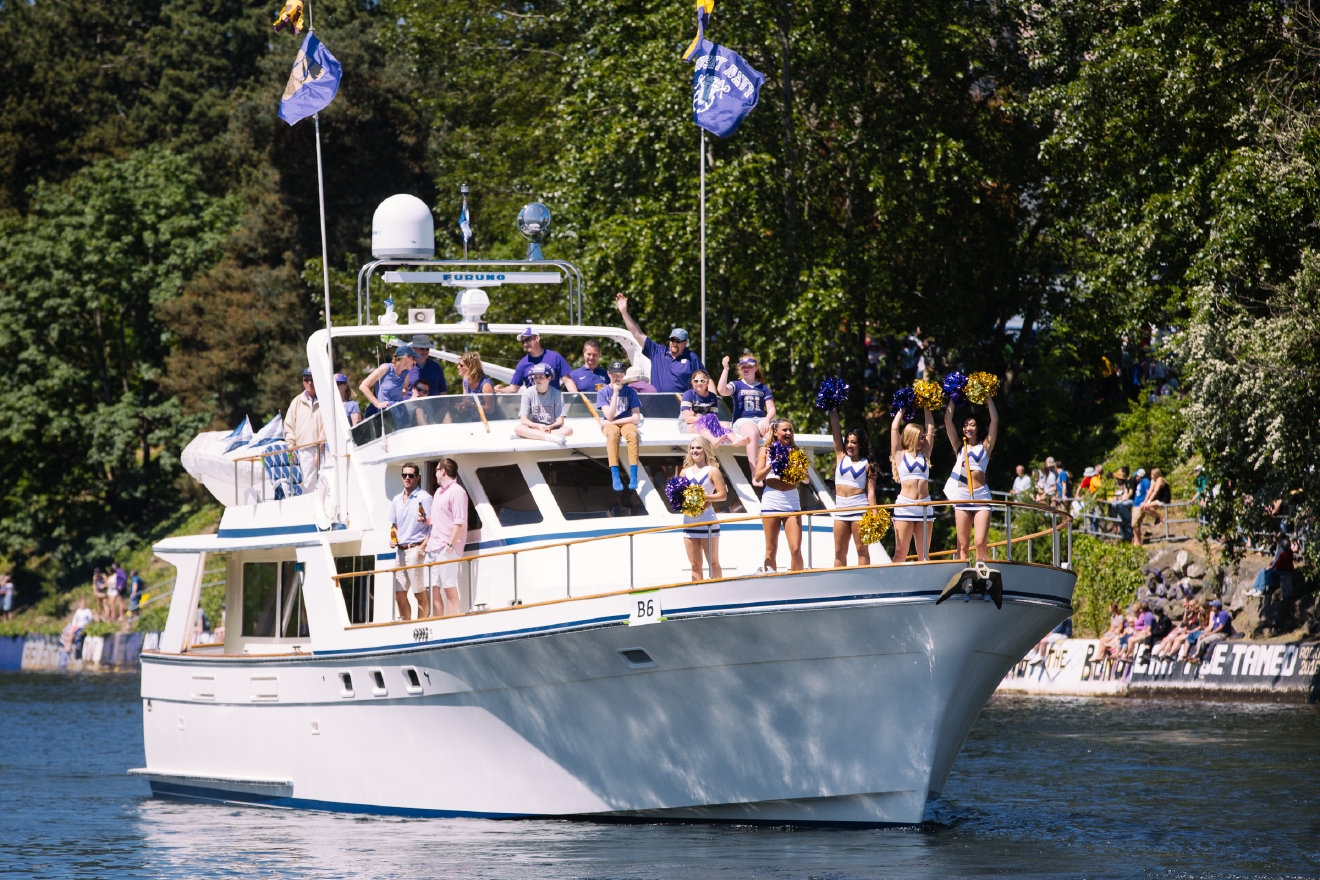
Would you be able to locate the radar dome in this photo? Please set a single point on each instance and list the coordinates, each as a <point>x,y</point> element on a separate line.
<point>403,229</point>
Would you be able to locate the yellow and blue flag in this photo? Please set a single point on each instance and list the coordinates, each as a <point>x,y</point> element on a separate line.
<point>704,9</point>
<point>313,83</point>
<point>725,88</point>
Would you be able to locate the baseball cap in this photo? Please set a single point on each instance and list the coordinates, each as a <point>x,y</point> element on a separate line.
<point>1215,603</point>
<point>528,333</point>
<point>618,367</point>
<point>341,379</point>
<point>404,351</point>
<point>307,372</point>
<point>541,370</point>
<point>679,333</point>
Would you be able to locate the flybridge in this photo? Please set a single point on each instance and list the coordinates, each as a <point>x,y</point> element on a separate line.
<point>472,279</point>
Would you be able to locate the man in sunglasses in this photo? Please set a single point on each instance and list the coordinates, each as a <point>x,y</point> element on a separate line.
<point>409,511</point>
<point>302,427</point>
<point>672,367</point>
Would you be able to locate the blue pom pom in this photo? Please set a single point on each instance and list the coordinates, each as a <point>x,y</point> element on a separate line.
<point>710,423</point>
<point>904,400</point>
<point>674,490</point>
<point>955,387</point>
<point>832,394</point>
<point>777,454</point>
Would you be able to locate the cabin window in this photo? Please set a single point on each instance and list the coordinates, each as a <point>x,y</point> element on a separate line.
<point>359,592</point>
<point>661,468</point>
<point>510,495</point>
<point>583,490</point>
<point>272,600</point>
<point>806,492</point>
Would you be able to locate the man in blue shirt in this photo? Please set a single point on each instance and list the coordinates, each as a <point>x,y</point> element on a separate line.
<point>671,367</point>
<point>591,376</point>
<point>1143,488</point>
<point>621,412</point>
<point>426,367</point>
<point>409,511</point>
<point>522,374</point>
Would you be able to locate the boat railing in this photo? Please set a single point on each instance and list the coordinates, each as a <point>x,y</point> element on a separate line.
<point>1024,526</point>
<point>482,409</point>
<point>280,471</point>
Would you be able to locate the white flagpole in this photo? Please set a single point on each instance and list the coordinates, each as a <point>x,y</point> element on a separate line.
<point>328,424</point>
<point>702,162</point>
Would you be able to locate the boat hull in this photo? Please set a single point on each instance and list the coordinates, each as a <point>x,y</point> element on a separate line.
<point>846,706</point>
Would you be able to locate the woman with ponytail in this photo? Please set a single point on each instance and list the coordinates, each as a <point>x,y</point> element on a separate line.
<point>909,456</point>
<point>854,490</point>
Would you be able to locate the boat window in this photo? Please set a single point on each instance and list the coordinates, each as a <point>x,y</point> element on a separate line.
<point>272,600</point>
<point>509,495</point>
<point>358,592</point>
<point>806,492</point>
<point>660,468</point>
<point>583,490</point>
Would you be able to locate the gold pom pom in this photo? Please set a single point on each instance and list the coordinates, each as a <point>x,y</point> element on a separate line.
<point>927,395</point>
<point>694,500</point>
<point>875,525</point>
<point>796,469</point>
<point>981,387</point>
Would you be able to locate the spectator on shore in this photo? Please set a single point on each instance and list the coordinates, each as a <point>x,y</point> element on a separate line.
<point>73,633</point>
<point>1202,485</point>
<point>116,584</point>
<point>591,376</point>
<point>1220,628</point>
<point>1142,621</point>
<point>672,366</point>
<point>1048,486</point>
<point>1169,646</point>
<point>303,429</point>
<point>7,596</point>
<point>388,384</point>
<point>1111,641</point>
<point>536,356</point>
<point>1021,484</point>
<point>1158,496</point>
<point>351,408</point>
<point>136,587</point>
<point>1160,627</point>
<point>1282,564</point>
<point>1063,486</point>
<point>98,592</point>
<point>426,368</point>
<point>621,412</point>
<point>541,414</point>
<point>1121,502</point>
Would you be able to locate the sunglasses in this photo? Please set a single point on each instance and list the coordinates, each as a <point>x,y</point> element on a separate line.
<point>674,339</point>
<point>700,381</point>
<point>747,365</point>
<point>307,380</point>
<point>410,476</point>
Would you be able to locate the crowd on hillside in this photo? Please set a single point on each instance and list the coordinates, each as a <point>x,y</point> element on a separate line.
<point>1202,625</point>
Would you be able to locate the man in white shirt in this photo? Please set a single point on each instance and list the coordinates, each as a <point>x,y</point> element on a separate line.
<point>409,511</point>
<point>302,427</point>
<point>81,618</point>
<point>1022,482</point>
<point>1049,484</point>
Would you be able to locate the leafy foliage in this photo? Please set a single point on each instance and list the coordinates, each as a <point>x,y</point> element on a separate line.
<point>1106,572</point>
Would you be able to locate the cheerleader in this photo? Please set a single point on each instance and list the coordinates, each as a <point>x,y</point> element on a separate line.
<point>700,467</point>
<point>778,498</point>
<point>909,456</point>
<point>971,448</point>
<point>854,491</point>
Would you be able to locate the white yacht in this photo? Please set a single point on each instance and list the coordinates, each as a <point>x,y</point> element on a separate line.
<point>588,676</point>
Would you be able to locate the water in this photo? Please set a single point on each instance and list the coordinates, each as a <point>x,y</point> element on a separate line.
<point>1043,788</point>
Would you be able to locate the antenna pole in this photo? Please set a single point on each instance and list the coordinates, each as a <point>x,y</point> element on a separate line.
<point>702,163</point>
<point>464,190</point>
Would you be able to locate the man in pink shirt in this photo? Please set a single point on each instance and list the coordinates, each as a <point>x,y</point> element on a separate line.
<point>448,523</point>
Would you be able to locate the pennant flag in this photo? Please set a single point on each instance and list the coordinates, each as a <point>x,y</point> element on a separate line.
<point>313,82</point>
<point>725,88</point>
<point>704,9</point>
<point>464,224</point>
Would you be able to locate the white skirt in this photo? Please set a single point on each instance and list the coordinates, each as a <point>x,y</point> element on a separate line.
<point>843,505</point>
<point>912,514</point>
<point>693,528</point>
<point>780,501</point>
<point>957,491</point>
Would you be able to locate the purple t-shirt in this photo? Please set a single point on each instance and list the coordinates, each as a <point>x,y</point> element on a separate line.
<point>668,373</point>
<point>552,359</point>
<point>749,400</point>
<point>1144,620</point>
<point>630,400</point>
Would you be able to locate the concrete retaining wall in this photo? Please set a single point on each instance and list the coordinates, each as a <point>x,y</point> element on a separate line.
<point>117,652</point>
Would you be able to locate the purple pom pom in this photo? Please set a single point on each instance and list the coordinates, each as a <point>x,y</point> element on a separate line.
<point>955,386</point>
<point>674,490</point>
<point>903,400</point>
<point>777,454</point>
<point>710,423</point>
<point>832,394</point>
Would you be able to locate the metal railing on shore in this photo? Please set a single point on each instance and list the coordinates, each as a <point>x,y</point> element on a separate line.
<point>1090,516</point>
<point>1054,526</point>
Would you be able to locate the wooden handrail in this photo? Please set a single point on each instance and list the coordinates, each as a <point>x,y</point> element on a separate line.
<point>1064,518</point>
<point>273,452</point>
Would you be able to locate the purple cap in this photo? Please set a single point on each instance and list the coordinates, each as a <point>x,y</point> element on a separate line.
<point>341,379</point>
<point>541,370</point>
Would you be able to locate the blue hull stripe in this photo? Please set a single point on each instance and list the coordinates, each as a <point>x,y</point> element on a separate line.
<point>273,531</point>
<point>573,624</point>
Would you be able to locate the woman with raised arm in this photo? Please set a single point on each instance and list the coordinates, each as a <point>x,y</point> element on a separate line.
<point>780,497</point>
<point>909,456</point>
<point>972,446</point>
<point>753,405</point>
<point>701,533</point>
<point>854,490</point>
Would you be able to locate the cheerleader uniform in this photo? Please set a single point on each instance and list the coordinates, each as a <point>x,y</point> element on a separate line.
<point>850,473</point>
<point>695,526</point>
<point>779,500</point>
<point>912,467</point>
<point>977,458</point>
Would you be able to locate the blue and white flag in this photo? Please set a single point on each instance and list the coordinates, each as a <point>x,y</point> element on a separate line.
<point>725,88</point>
<point>704,9</point>
<point>464,224</point>
<point>313,83</point>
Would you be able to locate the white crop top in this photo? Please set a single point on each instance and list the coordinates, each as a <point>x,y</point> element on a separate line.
<point>850,473</point>
<point>913,467</point>
<point>977,457</point>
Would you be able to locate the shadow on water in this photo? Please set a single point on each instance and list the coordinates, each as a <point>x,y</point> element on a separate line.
<point>1043,788</point>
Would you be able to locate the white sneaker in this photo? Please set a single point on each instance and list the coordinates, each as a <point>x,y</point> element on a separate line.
<point>559,438</point>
